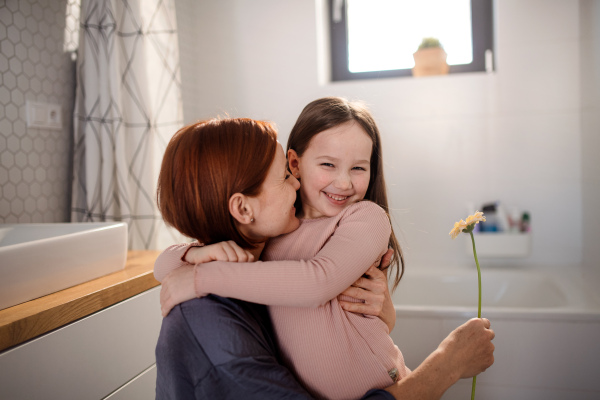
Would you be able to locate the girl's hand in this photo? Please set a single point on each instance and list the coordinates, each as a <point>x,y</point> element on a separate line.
<point>373,289</point>
<point>178,286</point>
<point>222,251</point>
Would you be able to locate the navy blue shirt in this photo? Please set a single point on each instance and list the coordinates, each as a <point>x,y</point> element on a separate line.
<point>221,348</point>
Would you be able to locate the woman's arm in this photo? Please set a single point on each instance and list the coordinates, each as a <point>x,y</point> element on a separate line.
<point>360,238</point>
<point>373,291</point>
<point>466,352</point>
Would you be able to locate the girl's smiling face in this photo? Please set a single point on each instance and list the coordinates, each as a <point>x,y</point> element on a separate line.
<point>334,170</point>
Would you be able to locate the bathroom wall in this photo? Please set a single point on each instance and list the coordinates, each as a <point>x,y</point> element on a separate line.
<point>35,164</point>
<point>525,135</point>
<point>514,135</point>
<point>590,140</point>
<point>209,54</point>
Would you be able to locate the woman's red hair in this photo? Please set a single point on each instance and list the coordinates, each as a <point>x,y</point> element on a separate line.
<point>204,165</point>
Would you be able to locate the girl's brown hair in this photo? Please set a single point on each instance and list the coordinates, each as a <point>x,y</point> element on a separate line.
<point>329,112</point>
<point>204,165</point>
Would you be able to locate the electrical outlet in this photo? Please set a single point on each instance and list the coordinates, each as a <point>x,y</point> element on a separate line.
<point>54,116</point>
<point>44,115</point>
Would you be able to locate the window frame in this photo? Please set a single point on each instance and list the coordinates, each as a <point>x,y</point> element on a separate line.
<point>482,28</point>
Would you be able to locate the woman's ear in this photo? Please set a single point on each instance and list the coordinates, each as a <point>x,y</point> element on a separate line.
<point>240,208</point>
<point>294,162</point>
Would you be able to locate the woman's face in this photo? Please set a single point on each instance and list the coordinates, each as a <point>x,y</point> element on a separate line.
<point>273,209</point>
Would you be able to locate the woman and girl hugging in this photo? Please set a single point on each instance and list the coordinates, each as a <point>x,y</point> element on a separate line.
<point>284,294</point>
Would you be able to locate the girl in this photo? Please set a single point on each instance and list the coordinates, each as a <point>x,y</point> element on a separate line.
<point>334,149</point>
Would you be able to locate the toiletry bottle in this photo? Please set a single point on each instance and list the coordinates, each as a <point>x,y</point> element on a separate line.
<point>502,221</point>
<point>514,220</point>
<point>525,222</point>
<point>490,224</point>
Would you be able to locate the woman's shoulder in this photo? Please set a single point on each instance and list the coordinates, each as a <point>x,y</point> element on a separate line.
<point>233,321</point>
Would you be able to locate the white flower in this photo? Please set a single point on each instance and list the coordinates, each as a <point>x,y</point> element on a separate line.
<point>467,226</point>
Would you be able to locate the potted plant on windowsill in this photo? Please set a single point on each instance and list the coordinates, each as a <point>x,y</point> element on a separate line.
<point>430,58</point>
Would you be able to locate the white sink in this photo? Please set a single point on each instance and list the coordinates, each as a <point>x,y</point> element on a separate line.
<point>39,259</point>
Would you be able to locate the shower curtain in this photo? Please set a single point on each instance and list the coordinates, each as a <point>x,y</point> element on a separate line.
<point>127,106</point>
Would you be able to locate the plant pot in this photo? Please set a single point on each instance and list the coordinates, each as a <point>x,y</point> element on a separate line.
<point>430,61</point>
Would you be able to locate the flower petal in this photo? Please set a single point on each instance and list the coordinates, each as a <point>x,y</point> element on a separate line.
<point>475,218</point>
<point>458,228</point>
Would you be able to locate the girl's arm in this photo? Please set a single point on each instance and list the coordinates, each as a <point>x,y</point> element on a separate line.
<point>371,290</point>
<point>172,258</point>
<point>175,256</point>
<point>360,239</point>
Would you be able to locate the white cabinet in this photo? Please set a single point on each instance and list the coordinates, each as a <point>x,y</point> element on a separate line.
<point>141,387</point>
<point>109,354</point>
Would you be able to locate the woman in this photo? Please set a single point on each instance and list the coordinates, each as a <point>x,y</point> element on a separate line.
<point>227,180</point>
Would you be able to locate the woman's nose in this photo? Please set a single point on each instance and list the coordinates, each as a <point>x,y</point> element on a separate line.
<point>295,182</point>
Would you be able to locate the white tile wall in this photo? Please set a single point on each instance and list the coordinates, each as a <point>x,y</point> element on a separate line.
<point>590,122</point>
<point>513,136</point>
<point>517,132</point>
<point>35,164</point>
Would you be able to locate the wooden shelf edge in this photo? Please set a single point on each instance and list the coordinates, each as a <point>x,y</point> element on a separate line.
<point>29,320</point>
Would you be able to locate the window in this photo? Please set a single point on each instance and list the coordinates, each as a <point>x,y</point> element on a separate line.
<point>377,38</point>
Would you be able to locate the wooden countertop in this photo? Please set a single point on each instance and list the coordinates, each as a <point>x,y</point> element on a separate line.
<point>31,319</point>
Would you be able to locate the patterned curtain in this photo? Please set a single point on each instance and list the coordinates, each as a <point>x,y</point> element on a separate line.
<point>128,105</point>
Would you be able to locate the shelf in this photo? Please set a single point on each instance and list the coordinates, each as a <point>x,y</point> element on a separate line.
<point>500,245</point>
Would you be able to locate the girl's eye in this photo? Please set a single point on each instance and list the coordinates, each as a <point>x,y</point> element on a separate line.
<point>327,164</point>
<point>359,168</point>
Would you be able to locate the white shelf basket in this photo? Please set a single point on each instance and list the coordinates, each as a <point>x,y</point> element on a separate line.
<point>500,245</point>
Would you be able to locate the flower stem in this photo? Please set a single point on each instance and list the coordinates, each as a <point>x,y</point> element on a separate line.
<point>478,275</point>
<point>478,303</point>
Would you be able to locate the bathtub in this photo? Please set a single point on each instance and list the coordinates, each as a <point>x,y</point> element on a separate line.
<point>547,329</point>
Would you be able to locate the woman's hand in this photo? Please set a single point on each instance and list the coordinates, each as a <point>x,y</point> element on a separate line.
<point>372,288</point>
<point>178,286</point>
<point>466,352</point>
<point>470,347</point>
<point>222,251</point>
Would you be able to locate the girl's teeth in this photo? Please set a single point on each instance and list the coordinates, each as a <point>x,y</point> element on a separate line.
<point>338,198</point>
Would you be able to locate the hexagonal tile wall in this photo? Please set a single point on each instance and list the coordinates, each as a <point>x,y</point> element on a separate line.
<point>35,164</point>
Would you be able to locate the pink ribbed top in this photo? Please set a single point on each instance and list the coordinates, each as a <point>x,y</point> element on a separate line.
<point>335,354</point>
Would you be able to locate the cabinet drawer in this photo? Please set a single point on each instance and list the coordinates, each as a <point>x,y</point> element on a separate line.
<point>88,359</point>
<point>142,387</point>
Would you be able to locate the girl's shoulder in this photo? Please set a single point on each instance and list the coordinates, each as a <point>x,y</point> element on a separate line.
<point>364,207</point>
<point>365,210</point>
